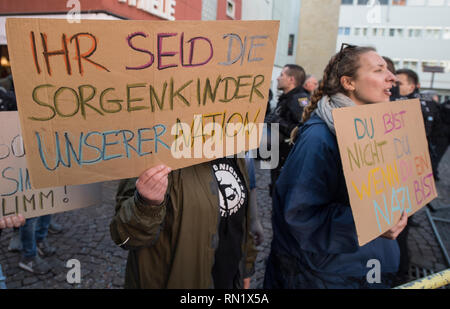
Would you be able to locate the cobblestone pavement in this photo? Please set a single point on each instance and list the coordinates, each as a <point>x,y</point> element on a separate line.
<point>86,238</point>
<point>426,253</point>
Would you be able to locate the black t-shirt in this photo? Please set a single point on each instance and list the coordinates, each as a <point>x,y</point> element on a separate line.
<point>233,196</point>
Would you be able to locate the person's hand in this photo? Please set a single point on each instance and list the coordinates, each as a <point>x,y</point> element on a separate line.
<point>152,184</point>
<point>12,221</point>
<point>396,229</point>
<point>247,283</point>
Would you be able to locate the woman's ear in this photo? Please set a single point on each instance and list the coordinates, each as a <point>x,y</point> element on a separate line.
<point>347,83</point>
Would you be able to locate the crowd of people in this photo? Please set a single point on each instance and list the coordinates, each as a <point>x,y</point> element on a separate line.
<point>198,227</point>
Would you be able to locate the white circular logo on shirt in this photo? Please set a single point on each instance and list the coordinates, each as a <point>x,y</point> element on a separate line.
<point>231,189</point>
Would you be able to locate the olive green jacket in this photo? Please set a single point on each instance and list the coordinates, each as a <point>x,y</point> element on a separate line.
<point>173,245</point>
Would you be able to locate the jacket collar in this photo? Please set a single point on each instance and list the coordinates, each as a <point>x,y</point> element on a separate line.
<point>296,90</point>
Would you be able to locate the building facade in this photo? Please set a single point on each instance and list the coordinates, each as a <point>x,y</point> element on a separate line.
<point>288,13</point>
<point>317,32</point>
<point>307,35</point>
<point>415,34</point>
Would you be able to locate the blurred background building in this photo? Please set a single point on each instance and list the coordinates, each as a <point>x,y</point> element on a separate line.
<point>415,34</point>
<point>307,35</point>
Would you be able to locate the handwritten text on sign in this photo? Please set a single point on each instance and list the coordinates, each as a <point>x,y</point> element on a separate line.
<point>104,100</point>
<point>386,163</point>
<point>16,193</point>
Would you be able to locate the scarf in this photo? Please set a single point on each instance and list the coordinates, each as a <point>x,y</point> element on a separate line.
<point>326,105</point>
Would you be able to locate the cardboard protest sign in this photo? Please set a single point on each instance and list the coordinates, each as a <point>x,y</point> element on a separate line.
<point>16,193</point>
<point>104,100</point>
<point>387,166</point>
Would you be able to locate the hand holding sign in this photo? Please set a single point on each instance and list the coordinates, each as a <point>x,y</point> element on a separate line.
<point>398,228</point>
<point>152,184</point>
<point>12,221</point>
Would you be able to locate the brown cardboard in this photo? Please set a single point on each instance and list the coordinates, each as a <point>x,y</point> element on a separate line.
<point>114,85</point>
<point>16,193</point>
<point>387,167</point>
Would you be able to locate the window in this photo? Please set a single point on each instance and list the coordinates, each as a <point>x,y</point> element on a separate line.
<point>446,65</point>
<point>414,32</point>
<point>391,32</point>
<point>374,31</point>
<point>432,33</point>
<point>399,32</point>
<point>436,2</point>
<point>344,30</point>
<point>230,8</point>
<point>291,45</point>
<point>446,33</point>
<point>357,31</point>
<point>431,63</point>
<point>411,64</point>
<point>416,2</point>
<point>417,33</point>
<point>364,31</point>
<point>437,33</point>
<point>347,2</point>
<point>372,2</point>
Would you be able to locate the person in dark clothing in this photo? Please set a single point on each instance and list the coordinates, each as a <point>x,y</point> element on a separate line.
<point>409,85</point>
<point>314,243</point>
<point>269,109</point>
<point>7,100</point>
<point>288,111</point>
<point>441,130</point>
<point>442,145</point>
<point>188,228</point>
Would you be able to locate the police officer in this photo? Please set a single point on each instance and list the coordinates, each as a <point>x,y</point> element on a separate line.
<point>408,84</point>
<point>289,110</point>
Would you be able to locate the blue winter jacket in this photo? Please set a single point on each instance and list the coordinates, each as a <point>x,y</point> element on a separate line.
<point>314,235</point>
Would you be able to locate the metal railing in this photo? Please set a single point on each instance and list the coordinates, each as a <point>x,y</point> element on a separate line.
<point>434,281</point>
<point>2,280</point>
<point>432,220</point>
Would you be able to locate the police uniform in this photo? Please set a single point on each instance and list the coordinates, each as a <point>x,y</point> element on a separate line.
<point>430,113</point>
<point>288,115</point>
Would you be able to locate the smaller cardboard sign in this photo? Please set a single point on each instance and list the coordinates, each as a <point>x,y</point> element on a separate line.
<point>386,162</point>
<point>16,193</point>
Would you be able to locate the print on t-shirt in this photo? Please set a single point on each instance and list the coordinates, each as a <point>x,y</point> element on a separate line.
<point>231,189</point>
